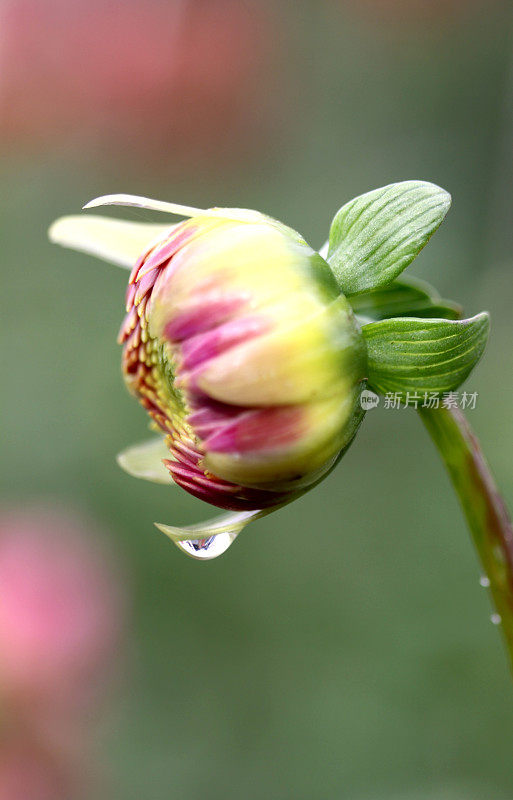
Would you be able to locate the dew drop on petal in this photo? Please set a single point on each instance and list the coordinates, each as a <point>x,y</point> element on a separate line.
<point>207,549</point>
<point>495,619</point>
<point>484,581</point>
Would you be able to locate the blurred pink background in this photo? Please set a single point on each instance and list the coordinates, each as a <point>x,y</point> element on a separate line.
<point>61,616</point>
<point>158,75</point>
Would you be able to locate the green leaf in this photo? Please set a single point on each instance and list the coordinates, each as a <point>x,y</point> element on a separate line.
<point>376,235</point>
<point>444,309</point>
<point>145,461</point>
<point>407,297</point>
<point>423,355</point>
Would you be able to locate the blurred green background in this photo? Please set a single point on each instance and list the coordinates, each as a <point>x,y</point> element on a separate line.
<point>343,647</point>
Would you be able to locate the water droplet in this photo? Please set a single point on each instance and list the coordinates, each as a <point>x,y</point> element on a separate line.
<point>496,619</point>
<point>206,549</point>
<point>484,581</point>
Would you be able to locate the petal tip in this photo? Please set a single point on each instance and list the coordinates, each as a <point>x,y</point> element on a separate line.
<point>119,242</point>
<point>145,461</point>
<point>56,230</point>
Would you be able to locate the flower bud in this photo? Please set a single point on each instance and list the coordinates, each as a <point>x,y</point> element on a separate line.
<point>239,344</point>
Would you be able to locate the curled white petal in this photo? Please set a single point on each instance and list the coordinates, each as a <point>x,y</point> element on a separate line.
<point>135,201</point>
<point>118,241</point>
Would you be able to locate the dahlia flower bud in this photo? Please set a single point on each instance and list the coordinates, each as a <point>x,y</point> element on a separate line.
<point>239,344</point>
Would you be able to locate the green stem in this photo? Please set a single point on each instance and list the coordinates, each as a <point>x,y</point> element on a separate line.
<point>486,513</point>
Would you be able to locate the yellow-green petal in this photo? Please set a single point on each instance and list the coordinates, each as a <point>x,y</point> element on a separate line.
<point>118,241</point>
<point>144,461</point>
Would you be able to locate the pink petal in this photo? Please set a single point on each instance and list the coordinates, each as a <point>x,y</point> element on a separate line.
<point>202,315</point>
<point>258,431</point>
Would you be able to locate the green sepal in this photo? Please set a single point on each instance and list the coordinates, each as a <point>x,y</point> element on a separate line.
<point>378,234</point>
<point>404,298</point>
<point>423,355</point>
